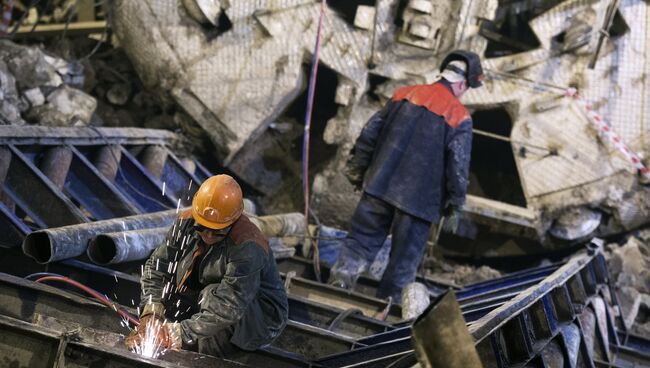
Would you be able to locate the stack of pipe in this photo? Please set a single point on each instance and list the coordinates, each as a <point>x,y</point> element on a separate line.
<point>130,238</point>
<point>133,235</point>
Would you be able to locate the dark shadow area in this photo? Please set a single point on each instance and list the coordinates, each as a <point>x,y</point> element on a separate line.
<point>272,162</point>
<point>324,109</point>
<point>375,81</point>
<point>509,33</point>
<point>493,171</point>
<point>347,9</point>
<point>223,25</point>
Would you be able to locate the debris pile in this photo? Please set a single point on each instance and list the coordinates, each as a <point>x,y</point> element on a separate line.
<point>457,273</point>
<point>630,269</point>
<point>38,88</point>
<point>121,98</point>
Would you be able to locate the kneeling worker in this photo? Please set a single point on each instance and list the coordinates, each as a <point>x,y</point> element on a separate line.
<point>216,276</point>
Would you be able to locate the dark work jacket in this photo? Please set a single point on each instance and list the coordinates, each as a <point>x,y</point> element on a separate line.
<point>416,151</point>
<point>242,286</point>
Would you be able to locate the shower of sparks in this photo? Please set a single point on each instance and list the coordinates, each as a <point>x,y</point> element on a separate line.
<point>164,186</point>
<point>178,205</point>
<point>115,278</point>
<point>189,187</point>
<point>151,346</point>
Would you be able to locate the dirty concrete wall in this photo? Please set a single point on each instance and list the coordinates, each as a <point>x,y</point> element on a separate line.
<point>243,78</point>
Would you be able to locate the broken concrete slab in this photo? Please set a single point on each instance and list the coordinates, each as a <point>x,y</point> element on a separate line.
<point>8,91</point>
<point>66,106</point>
<point>34,96</point>
<point>29,66</point>
<point>10,114</point>
<point>559,167</point>
<point>630,264</point>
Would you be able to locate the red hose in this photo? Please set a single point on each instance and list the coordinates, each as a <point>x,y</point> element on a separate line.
<point>92,292</point>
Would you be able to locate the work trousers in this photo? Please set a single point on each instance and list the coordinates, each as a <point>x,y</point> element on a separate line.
<point>371,223</point>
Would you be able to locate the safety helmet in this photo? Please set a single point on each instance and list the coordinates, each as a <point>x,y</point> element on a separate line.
<point>473,72</point>
<point>218,202</point>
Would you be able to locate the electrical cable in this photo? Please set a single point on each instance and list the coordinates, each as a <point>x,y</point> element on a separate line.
<point>72,11</point>
<point>39,274</point>
<point>104,38</point>
<point>342,316</point>
<point>106,301</point>
<point>308,114</point>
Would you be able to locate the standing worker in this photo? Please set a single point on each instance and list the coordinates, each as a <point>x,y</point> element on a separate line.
<point>216,275</point>
<point>414,155</point>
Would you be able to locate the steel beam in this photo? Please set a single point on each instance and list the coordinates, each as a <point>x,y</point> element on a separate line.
<point>179,181</point>
<point>13,229</point>
<point>304,268</point>
<point>41,135</point>
<point>95,192</point>
<point>270,357</point>
<point>23,299</point>
<point>524,330</point>
<point>343,299</point>
<point>312,342</point>
<point>36,196</point>
<point>349,322</point>
<point>141,186</point>
<point>24,344</point>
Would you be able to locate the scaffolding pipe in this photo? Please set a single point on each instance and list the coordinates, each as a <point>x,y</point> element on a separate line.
<point>125,246</point>
<point>55,244</point>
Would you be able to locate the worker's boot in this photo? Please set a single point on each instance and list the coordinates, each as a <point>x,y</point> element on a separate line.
<point>346,271</point>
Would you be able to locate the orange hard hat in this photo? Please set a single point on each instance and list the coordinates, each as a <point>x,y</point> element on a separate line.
<point>218,202</point>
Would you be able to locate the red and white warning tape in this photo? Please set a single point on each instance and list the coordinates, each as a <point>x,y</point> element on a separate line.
<point>7,8</point>
<point>606,130</point>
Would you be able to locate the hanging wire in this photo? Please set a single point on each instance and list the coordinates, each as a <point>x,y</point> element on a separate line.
<point>105,37</point>
<point>71,12</point>
<point>105,300</point>
<point>308,115</point>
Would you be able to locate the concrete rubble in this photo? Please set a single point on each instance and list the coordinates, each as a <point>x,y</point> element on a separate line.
<point>236,72</point>
<point>33,89</point>
<point>243,77</point>
<point>630,267</point>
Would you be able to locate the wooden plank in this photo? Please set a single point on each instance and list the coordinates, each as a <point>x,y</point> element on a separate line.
<point>74,29</point>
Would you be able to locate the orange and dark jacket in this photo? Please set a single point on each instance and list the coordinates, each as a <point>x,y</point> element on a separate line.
<point>415,152</point>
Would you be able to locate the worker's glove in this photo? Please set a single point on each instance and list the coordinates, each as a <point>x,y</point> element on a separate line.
<point>150,324</point>
<point>453,214</point>
<point>153,330</point>
<point>174,329</point>
<point>355,174</point>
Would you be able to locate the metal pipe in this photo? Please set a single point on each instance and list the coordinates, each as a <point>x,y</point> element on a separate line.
<point>107,160</point>
<point>125,246</point>
<point>56,164</point>
<point>153,159</point>
<point>54,244</point>
<point>286,224</point>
